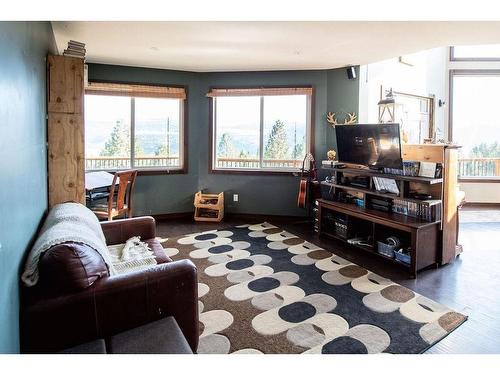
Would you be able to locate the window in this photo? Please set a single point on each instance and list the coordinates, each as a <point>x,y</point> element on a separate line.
<point>415,115</point>
<point>133,126</point>
<point>475,122</point>
<point>486,52</point>
<point>260,129</point>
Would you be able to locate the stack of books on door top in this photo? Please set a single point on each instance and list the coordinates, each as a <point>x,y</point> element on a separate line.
<point>75,49</point>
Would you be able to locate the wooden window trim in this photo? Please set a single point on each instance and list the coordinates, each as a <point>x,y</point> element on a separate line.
<point>135,90</point>
<point>259,172</point>
<point>259,91</point>
<point>185,132</point>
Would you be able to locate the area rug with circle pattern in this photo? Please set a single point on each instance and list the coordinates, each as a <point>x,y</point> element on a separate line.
<point>264,290</point>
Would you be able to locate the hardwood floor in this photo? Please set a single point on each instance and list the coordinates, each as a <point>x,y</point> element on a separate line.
<point>470,285</point>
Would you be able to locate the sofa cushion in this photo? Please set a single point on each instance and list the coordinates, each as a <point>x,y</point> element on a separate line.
<point>71,267</point>
<point>92,347</point>
<point>159,337</point>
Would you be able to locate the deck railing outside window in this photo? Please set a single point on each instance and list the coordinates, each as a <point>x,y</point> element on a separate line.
<point>479,167</point>
<point>116,162</point>
<point>470,167</point>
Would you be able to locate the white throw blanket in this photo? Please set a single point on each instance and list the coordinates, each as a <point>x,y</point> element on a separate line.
<point>133,255</point>
<point>67,222</point>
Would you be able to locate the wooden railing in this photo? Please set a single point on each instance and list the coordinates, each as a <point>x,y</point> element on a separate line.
<point>479,167</point>
<point>254,163</point>
<point>118,162</point>
<point>470,167</point>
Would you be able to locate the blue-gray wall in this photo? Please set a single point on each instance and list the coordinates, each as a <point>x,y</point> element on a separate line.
<point>23,176</point>
<point>272,195</point>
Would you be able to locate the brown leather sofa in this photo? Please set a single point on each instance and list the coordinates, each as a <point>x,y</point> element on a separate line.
<point>76,301</point>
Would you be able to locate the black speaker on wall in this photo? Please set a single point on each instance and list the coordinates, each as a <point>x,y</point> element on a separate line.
<point>351,72</point>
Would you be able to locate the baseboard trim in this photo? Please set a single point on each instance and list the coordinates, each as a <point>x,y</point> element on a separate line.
<point>173,216</point>
<point>262,217</point>
<point>253,217</point>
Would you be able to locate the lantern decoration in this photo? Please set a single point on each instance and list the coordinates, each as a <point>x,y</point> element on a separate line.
<point>387,109</point>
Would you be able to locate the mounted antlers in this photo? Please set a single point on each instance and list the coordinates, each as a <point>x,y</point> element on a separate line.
<point>350,119</point>
<point>330,118</point>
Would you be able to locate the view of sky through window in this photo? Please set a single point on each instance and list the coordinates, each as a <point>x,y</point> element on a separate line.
<point>476,122</point>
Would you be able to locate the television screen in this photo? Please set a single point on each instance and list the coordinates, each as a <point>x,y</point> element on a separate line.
<point>374,145</point>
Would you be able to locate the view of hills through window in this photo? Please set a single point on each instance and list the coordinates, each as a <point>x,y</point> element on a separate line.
<point>239,141</point>
<point>108,132</point>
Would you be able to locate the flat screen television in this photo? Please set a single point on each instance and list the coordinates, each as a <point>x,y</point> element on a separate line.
<point>374,145</point>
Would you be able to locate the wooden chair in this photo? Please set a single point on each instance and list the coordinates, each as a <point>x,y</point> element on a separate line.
<point>123,203</point>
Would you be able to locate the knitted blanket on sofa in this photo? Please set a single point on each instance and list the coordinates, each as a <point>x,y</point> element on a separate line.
<point>67,222</point>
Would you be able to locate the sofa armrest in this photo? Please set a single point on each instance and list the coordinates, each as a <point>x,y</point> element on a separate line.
<point>119,231</point>
<point>115,304</point>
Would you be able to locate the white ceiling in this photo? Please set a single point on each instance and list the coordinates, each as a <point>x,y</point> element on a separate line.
<point>240,46</point>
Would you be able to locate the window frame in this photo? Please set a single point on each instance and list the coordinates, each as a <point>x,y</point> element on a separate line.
<point>476,59</point>
<point>183,125</point>
<point>310,130</point>
<point>430,98</point>
<point>468,72</point>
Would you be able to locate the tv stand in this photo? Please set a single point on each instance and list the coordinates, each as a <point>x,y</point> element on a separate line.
<point>421,236</point>
<point>430,234</point>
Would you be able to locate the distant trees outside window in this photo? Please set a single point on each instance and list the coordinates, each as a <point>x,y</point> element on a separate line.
<point>133,132</point>
<point>260,132</point>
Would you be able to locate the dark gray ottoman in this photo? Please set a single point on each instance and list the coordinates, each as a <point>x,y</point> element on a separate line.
<point>93,347</point>
<point>160,337</point>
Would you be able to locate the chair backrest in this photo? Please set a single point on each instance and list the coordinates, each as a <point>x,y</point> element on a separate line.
<point>123,178</point>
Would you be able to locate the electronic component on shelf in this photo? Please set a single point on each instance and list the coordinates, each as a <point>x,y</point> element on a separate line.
<point>380,207</point>
<point>381,201</point>
<point>357,181</point>
<point>381,204</point>
<point>420,196</point>
<point>362,241</point>
<point>345,197</point>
